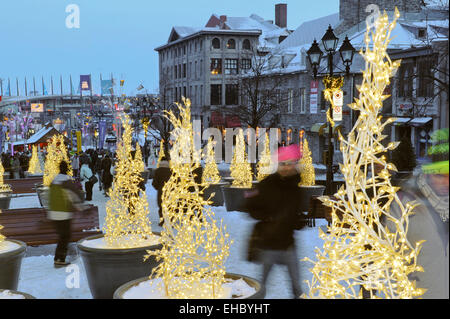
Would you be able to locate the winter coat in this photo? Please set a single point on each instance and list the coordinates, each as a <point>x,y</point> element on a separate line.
<point>275,204</point>
<point>85,172</point>
<point>107,177</point>
<point>162,175</point>
<point>64,198</point>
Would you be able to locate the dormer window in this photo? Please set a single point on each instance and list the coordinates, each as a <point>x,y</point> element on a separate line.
<point>421,33</point>
<point>216,43</point>
<point>231,44</point>
<point>246,44</point>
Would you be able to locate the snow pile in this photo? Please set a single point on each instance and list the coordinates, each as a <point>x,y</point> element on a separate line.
<point>7,246</point>
<point>7,294</point>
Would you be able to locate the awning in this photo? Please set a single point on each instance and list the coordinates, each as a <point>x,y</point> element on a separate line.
<point>233,121</point>
<point>402,120</point>
<point>318,127</point>
<point>336,128</point>
<point>420,121</point>
<point>216,119</point>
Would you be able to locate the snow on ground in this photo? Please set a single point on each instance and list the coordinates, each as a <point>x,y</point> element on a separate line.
<point>39,278</point>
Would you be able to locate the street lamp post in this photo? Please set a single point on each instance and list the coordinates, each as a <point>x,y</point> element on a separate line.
<point>330,42</point>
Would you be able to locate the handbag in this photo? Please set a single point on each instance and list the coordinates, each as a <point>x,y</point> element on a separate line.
<point>93,179</point>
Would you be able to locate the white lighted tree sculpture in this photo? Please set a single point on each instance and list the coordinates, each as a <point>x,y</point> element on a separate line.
<point>3,187</point>
<point>34,167</point>
<point>265,162</point>
<point>194,245</point>
<point>127,223</point>
<point>56,152</point>
<point>211,172</point>
<point>359,250</point>
<point>240,169</point>
<point>307,172</point>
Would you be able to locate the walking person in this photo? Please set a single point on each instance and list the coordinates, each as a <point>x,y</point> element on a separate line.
<point>16,166</point>
<point>99,171</point>
<point>64,199</point>
<point>274,203</point>
<point>162,175</point>
<point>75,165</point>
<point>85,175</point>
<point>107,177</point>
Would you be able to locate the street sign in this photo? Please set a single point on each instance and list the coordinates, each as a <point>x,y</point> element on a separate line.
<point>338,102</point>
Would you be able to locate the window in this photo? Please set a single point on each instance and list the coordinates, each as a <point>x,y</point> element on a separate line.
<point>425,82</point>
<point>216,66</point>
<point>231,66</point>
<point>231,44</point>
<point>405,80</point>
<point>302,100</point>
<point>231,94</point>
<point>216,43</point>
<point>195,70</point>
<point>290,103</point>
<point>184,70</point>
<point>216,94</point>
<point>246,65</point>
<point>246,44</point>
<point>323,101</point>
<point>175,71</point>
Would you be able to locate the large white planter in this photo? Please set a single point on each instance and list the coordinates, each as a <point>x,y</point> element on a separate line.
<point>11,254</point>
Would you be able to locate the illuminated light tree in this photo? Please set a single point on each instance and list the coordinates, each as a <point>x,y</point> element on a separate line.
<point>265,162</point>
<point>34,166</point>
<point>240,169</point>
<point>138,158</point>
<point>56,152</point>
<point>211,172</point>
<point>307,173</point>
<point>194,245</point>
<point>161,152</point>
<point>3,187</point>
<point>2,238</point>
<point>359,249</point>
<point>127,223</point>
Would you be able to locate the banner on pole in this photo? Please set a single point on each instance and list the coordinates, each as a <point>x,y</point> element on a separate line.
<point>313,97</point>
<point>78,142</point>
<point>101,133</point>
<point>106,86</point>
<point>85,82</point>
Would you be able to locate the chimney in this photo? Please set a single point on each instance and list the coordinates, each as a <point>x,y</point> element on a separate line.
<point>223,19</point>
<point>281,15</point>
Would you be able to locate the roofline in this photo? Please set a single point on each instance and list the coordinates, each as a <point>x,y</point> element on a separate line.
<point>204,32</point>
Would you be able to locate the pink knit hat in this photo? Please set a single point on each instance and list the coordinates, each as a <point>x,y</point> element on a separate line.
<point>287,153</point>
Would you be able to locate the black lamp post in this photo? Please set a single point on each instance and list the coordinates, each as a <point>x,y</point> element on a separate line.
<point>330,42</point>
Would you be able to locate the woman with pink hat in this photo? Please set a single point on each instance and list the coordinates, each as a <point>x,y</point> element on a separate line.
<point>275,204</point>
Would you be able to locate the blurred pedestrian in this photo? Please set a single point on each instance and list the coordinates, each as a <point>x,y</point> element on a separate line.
<point>275,204</point>
<point>161,176</point>
<point>15,164</point>
<point>64,199</point>
<point>75,165</point>
<point>85,175</point>
<point>107,176</point>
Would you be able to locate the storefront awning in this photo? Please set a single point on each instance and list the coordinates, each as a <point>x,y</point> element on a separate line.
<point>217,119</point>
<point>336,128</point>
<point>402,120</point>
<point>233,121</point>
<point>420,121</point>
<point>318,127</point>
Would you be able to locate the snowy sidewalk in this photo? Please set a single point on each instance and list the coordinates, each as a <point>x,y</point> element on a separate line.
<point>39,278</point>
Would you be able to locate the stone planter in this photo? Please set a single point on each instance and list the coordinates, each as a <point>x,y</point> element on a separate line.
<point>108,269</point>
<point>305,193</point>
<point>217,199</point>
<point>259,294</point>
<point>234,198</point>
<point>15,292</point>
<point>5,199</point>
<point>10,262</point>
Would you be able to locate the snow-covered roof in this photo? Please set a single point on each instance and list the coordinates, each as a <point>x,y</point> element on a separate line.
<point>39,134</point>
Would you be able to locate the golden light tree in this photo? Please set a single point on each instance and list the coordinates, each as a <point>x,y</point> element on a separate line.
<point>240,169</point>
<point>161,152</point>
<point>307,173</point>
<point>2,237</point>
<point>56,152</point>
<point>138,158</point>
<point>359,249</point>
<point>34,167</point>
<point>3,187</point>
<point>194,245</point>
<point>211,172</point>
<point>265,162</point>
<point>127,223</point>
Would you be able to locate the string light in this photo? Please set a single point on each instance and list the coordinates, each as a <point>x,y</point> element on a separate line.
<point>34,166</point>
<point>345,263</point>
<point>240,169</point>
<point>127,224</point>
<point>194,245</point>
<point>56,152</point>
<point>161,152</point>
<point>3,187</point>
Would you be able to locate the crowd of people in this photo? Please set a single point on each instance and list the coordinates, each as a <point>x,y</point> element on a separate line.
<point>15,165</point>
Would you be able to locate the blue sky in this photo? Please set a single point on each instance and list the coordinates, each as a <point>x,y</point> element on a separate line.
<point>115,36</point>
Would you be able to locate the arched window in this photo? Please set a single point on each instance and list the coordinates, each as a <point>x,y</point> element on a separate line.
<point>246,44</point>
<point>231,44</point>
<point>216,43</point>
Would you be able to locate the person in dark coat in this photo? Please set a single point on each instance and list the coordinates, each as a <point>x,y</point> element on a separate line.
<point>161,176</point>
<point>274,203</point>
<point>107,177</point>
